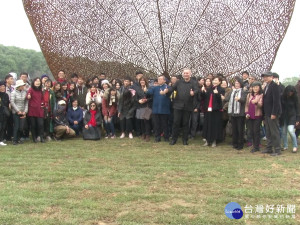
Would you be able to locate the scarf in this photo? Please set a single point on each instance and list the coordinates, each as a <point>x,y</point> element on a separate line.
<point>92,94</point>
<point>112,100</point>
<point>75,108</point>
<point>92,121</point>
<point>234,107</point>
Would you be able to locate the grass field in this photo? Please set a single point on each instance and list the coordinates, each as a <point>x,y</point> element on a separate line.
<point>133,182</point>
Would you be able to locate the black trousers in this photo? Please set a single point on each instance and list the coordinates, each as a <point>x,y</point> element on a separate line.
<point>194,122</point>
<point>254,132</point>
<point>238,131</point>
<point>37,127</point>
<point>183,116</point>
<point>9,128</point>
<point>126,125</point>
<point>146,126</point>
<point>161,125</point>
<point>272,134</point>
<point>2,129</point>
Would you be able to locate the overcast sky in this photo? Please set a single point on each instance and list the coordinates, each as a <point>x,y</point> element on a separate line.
<point>16,31</point>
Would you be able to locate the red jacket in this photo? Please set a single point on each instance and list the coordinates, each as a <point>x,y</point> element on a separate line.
<point>108,110</point>
<point>35,103</point>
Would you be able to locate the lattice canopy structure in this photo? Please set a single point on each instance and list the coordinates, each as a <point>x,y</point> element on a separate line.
<point>120,36</point>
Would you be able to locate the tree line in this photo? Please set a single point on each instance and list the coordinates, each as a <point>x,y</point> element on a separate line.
<point>14,59</point>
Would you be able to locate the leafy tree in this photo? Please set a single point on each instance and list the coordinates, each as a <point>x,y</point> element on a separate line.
<point>290,81</point>
<point>14,59</point>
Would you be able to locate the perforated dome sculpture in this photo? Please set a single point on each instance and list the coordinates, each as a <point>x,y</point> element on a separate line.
<point>119,36</point>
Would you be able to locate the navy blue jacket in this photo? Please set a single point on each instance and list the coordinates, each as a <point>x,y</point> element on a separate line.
<point>76,115</point>
<point>161,103</point>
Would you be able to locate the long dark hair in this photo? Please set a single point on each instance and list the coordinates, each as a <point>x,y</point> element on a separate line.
<point>286,92</point>
<point>109,96</point>
<point>34,87</point>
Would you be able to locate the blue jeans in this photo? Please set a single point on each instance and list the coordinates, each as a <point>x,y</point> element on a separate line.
<point>109,126</point>
<point>289,128</point>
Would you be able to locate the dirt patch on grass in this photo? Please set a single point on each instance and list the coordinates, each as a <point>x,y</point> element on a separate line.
<point>52,212</point>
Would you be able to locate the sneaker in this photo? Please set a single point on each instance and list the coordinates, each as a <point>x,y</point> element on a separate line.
<point>2,144</point>
<point>249,144</point>
<point>48,138</point>
<point>38,139</point>
<point>214,144</point>
<point>264,138</point>
<point>107,136</point>
<point>123,135</point>
<point>130,135</point>
<point>206,143</point>
<point>294,150</point>
<point>113,137</point>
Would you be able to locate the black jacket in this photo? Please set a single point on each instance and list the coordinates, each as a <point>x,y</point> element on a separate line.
<point>183,99</point>
<point>217,100</point>
<point>88,116</point>
<point>271,100</point>
<point>290,111</point>
<point>4,102</point>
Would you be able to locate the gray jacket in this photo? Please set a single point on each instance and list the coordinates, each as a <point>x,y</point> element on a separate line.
<point>19,101</point>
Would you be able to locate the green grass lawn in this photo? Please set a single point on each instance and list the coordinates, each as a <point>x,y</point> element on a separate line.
<point>133,182</point>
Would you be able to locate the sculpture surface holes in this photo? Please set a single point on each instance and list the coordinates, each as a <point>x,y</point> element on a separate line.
<point>120,36</point>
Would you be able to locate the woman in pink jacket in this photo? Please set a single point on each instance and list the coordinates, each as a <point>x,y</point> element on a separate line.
<point>36,109</point>
<point>253,111</point>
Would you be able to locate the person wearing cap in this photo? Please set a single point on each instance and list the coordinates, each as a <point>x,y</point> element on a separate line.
<point>236,109</point>
<point>253,110</point>
<point>105,85</point>
<point>276,80</point>
<point>44,77</point>
<point>61,123</point>
<point>271,112</point>
<point>19,105</point>
<point>4,105</point>
<point>36,109</point>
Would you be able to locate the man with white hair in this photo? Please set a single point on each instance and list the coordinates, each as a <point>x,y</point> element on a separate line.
<point>186,89</point>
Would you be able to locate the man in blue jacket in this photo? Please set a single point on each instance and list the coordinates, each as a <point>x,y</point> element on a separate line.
<point>160,109</point>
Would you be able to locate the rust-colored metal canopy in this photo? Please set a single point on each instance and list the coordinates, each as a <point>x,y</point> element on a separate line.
<point>120,36</point>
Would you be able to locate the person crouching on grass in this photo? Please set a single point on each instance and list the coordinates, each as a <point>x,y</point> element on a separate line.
<point>92,121</point>
<point>61,124</point>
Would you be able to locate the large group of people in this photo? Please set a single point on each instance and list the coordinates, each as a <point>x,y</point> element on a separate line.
<point>167,107</point>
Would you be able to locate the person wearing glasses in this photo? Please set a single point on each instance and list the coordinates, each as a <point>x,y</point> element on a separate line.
<point>92,121</point>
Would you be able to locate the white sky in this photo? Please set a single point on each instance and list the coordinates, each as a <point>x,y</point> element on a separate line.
<point>16,31</point>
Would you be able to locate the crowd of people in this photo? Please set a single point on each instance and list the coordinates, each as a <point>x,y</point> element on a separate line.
<point>247,109</point>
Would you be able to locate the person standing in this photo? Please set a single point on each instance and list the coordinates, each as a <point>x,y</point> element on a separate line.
<point>236,109</point>
<point>19,104</point>
<point>36,109</point>
<point>186,89</point>
<point>272,111</point>
<point>290,116</point>
<point>160,109</point>
<point>213,128</point>
<point>253,110</point>
<point>4,104</point>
